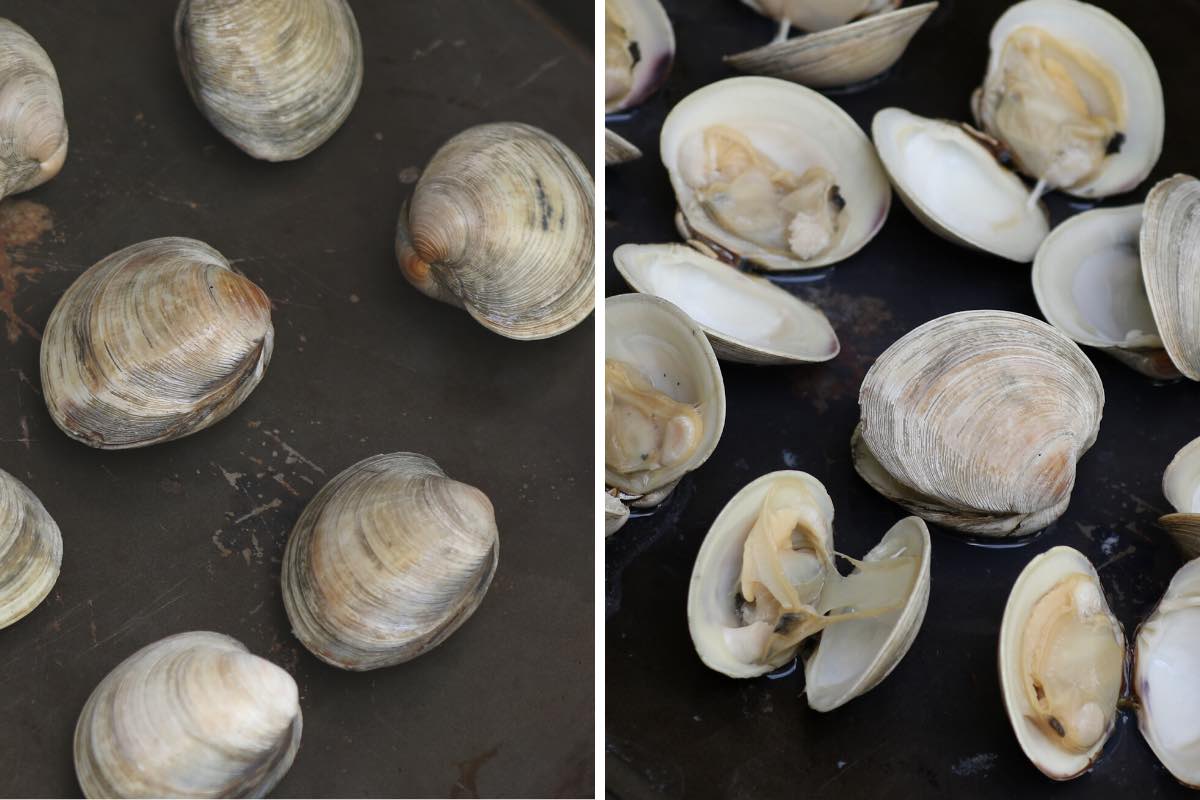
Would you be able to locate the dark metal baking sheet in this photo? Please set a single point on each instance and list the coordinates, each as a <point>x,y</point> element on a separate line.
<point>188,535</point>
<point>936,727</point>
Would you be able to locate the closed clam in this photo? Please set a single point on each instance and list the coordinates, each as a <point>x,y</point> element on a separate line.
<point>501,225</point>
<point>275,77</point>
<point>33,130</point>
<point>192,715</point>
<point>975,421</point>
<point>30,550</point>
<point>156,341</point>
<point>387,560</point>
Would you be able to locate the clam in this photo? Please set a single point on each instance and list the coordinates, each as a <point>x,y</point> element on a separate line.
<point>765,581</point>
<point>30,550</point>
<point>500,224</point>
<point>157,341</point>
<point>747,319</point>
<point>818,15</point>
<point>1181,486</point>
<point>773,173</point>
<point>618,150</point>
<point>33,130</point>
<point>1074,96</point>
<point>841,56</point>
<point>388,559</point>
<point>948,176</point>
<point>664,398</point>
<point>975,421</point>
<point>275,77</point>
<point>1169,245</point>
<point>192,715</point>
<point>639,46</point>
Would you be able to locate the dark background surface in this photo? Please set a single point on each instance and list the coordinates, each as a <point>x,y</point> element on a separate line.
<point>936,727</point>
<point>188,535</point>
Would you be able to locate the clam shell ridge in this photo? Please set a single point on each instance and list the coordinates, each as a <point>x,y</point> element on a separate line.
<point>33,130</point>
<point>275,77</point>
<point>975,420</point>
<point>192,715</point>
<point>156,341</point>
<point>1170,250</point>
<point>388,560</point>
<point>30,550</point>
<point>501,224</point>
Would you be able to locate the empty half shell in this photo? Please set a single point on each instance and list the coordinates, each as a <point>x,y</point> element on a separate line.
<point>773,173</point>
<point>948,176</point>
<point>975,421</point>
<point>388,560</point>
<point>639,47</point>
<point>33,130</point>
<point>192,715</point>
<point>275,77</point>
<point>30,550</point>
<point>501,224</point>
<point>1181,486</point>
<point>156,341</point>
<point>747,319</point>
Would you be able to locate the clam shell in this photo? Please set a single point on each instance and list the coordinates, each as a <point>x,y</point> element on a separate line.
<point>30,550</point>
<point>1181,486</point>
<point>651,34</point>
<point>1170,253</point>
<point>275,77</point>
<point>841,56</point>
<point>33,130</point>
<point>192,715</point>
<point>156,341</point>
<point>501,224</point>
<point>616,514</point>
<point>819,15</point>
<point>388,560</point>
<point>941,409</point>
<point>618,150</point>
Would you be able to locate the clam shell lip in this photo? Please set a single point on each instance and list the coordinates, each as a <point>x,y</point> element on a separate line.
<point>951,208</point>
<point>30,551</point>
<point>655,37</point>
<point>1106,37</point>
<point>1169,243</point>
<point>938,407</point>
<point>821,134</point>
<point>1038,577</point>
<point>223,723</point>
<point>747,319</point>
<point>820,15</point>
<point>619,150</point>
<point>841,56</point>
<point>275,77</point>
<point>673,353</point>
<point>501,224</point>
<point>33,134</point>
<point>155,342</point>
<point>388,560</point>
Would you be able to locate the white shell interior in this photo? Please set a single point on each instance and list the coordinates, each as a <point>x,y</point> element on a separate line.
<point>749,311</point>
<point>1087,278</point>
<point>650,28</point>
<point>1181,480</point>
<point>955,181</point>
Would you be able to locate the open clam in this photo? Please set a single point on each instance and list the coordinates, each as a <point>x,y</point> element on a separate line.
<point>773,173</point>
<point>1074,96</point>
<point>639,46</point>
<point>765,581</point>
<point>1181,486</point>
<point>192,715</point>
<point>33,130</point>
<point>747,319</point>
<point>30,550</point>
<point>975,421</point>
<point>500,224</point>
<point>275,77</point>
<point>948,176</point>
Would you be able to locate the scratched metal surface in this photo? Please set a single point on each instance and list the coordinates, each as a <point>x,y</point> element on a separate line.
<point>936,727</point>
<point>188,535</point>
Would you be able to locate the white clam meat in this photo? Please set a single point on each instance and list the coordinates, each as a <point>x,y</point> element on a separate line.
<point>30,550</point>
<point>33,129</point>
<point>639,47</point>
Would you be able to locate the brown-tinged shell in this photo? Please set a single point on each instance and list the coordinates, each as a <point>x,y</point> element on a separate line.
<point>30,550</point>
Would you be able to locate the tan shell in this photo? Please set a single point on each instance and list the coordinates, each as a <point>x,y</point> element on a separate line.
<point>156,341</point>
<point>1170,252</point>
<point>819,15</point>
<point>618,150</point>
<point>501,224</point>
<point>939,412</point>
<point>192,715</point>
<point>275,77</point>
<point>30,550</point>
<point>841,56</point>
<point>388,560</point>
<point>33,130</point>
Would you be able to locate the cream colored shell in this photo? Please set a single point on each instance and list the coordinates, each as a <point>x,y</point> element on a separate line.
<point>30,550</point>
<point>156,341</point>
<point>618,149</point>
<point>275,77</point>
<point>819,15</point>
<point>387,560</point>
<point>501,224</point>
<point>33,130</point>
<point>1181,486</point>
<point>192,715</point>
<point>650,31</point>
<point>1170,252</point>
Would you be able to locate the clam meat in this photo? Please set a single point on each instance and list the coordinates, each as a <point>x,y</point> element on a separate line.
<point>639,46</point>
<point>33,129</point>
<point>30,550</point>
